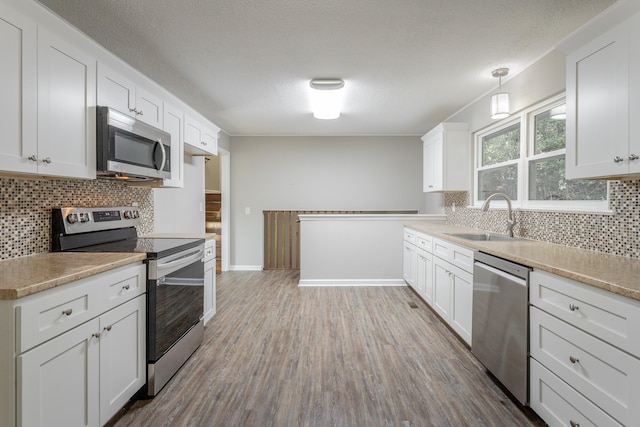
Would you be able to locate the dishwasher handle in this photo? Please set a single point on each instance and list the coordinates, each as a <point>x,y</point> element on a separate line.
<point>511,278</point>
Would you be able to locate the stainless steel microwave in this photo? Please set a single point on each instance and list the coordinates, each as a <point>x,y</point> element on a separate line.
<point>129,149</point>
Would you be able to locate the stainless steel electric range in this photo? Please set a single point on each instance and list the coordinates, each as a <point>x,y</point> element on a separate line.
<point>175,280</point>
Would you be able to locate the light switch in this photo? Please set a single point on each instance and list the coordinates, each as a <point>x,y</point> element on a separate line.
<point>247,210</point>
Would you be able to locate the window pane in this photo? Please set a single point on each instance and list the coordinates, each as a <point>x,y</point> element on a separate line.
<point>502,179</point>
<point>501,146</point>
<point>547,182</point>
<point>550,133</point>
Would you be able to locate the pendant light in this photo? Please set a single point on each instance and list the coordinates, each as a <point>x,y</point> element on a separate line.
<point>326,98</point>
<point>500,100</point>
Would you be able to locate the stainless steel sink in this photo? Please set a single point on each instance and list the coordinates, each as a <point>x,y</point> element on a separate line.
<point>485,237</point>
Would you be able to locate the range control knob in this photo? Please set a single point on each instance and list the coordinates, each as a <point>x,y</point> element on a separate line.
<point>84,217</point>
<point>127,215</point>
<point>72,218</point>
<point>136,214</point>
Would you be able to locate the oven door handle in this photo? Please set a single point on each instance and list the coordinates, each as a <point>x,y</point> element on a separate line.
<point>177,263</point>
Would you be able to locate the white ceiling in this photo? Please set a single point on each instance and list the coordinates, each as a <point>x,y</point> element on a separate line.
<point>407,64</point>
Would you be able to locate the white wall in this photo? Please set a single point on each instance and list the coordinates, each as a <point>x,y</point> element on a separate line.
<point>181,210</point>
<point>321,173</point>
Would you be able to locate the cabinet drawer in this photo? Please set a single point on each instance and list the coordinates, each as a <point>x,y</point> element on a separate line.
<point>604,374</point>
<point>47,314</point>
<point>608,316</point>
<point>424,241</point>
<point>125,284</point>
<point>459,256</point>
<point>560,405</point>
<point>410,235</point>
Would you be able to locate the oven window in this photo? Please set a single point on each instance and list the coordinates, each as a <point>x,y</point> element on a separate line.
<point>176,301</point>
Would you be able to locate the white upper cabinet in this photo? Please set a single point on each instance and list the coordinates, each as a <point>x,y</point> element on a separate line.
<point>18,49</point>
<point>603,97</point>
<point>446,158</point>
<point>66,107</point>
<point>200,137</point>
<point>121,93</point>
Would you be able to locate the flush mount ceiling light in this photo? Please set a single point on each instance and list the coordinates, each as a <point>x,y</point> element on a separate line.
<point>500,100</point>
<point>326,98</point>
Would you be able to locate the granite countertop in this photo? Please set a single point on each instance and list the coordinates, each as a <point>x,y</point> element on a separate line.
<point>614,273</point>
<point>28,275</point>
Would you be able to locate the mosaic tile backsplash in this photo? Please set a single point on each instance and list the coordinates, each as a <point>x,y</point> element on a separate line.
<point>25,210</point>
<point>617,233</point>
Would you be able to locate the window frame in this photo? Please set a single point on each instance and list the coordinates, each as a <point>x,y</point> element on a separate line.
<point>526,118</point>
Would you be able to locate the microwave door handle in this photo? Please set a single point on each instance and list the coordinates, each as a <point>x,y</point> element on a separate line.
<point>164,154</point>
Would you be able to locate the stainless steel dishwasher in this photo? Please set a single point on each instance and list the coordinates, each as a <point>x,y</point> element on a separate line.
<point>500,328</point>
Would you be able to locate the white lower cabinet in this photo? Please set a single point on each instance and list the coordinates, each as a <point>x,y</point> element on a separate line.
<point>75,354</point>
<point>585,369</point>
<point>209,280</point>
<point>441,272</point>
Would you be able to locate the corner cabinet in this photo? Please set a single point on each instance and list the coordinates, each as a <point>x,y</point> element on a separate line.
<point>75,354</point>
<point>603,97</point>
<point>446,158</point>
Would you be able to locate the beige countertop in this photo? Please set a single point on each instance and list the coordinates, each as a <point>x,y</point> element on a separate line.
<point>27,275</point>
<point>614,273</point>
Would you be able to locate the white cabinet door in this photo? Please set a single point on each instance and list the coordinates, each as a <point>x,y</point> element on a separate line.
<point>200,138</point>
<point>462,303</point>
<point>424,277</point>
<point>122,355</point>
<point>442,288</point>
<point>18,49</point>
<point>209,290</point>
<point>597,107</point>
<point>149,107</point>
<point>59,380</point>
<point>173,124</point>
<point>432,164</point>
<point>409,260</point>
<point>66,108</point>
<point>116,91</point>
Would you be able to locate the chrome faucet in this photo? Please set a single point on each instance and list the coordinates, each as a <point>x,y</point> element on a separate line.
<point>511,220</point>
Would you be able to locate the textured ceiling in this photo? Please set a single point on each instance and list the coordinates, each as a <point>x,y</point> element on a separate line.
<point>407,64</point>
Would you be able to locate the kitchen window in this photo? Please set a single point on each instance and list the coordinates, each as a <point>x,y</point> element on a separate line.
<point>524,157</point>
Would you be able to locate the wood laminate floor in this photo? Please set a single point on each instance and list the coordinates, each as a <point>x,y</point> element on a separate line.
<point>279,355</point>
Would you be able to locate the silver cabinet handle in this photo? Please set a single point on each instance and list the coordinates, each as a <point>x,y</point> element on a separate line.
<point>140,113</point>
<point>618,159</point>
<point>133,110</point>
<point>574,423</point>
<point>633,157</point>
<point>67,312</point>
<point>574,359</point>
<point>573,307</point>
<point>33,158</point>
<point>108,328</point>
<point>46,160</point>
<point>96,335</point>
<point>126,287</point>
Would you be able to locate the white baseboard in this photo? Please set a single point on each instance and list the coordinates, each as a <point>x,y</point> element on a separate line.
<point>352,282</point>
<point>245,267</point>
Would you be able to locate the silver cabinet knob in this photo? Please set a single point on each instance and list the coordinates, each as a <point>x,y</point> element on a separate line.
<point>573,307</point>
<point>96,335</point>
<point>618,159</point>
<point>574,360</point>
<point>633,157</point>
<point>67,312</point>
<point>33,158</point>
<point>46,160</point>
<point>574,423</point>
<point>108,328</point>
